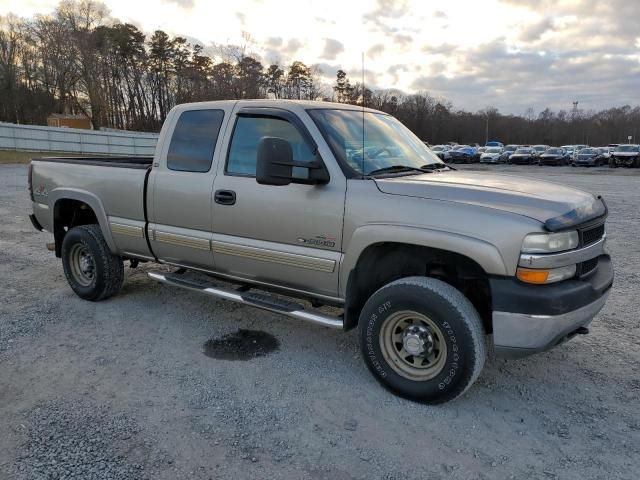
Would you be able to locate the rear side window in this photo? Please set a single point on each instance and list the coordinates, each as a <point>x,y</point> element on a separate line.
<point>194,140</point>
<point>243,151</point>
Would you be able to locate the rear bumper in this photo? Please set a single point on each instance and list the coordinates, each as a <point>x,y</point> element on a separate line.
<point>528,319</point>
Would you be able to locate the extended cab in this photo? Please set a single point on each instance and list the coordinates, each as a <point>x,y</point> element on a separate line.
<point>330,204</point>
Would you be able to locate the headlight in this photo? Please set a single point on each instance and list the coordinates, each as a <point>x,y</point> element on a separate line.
<point>552,275</point>
<point>550,242</point>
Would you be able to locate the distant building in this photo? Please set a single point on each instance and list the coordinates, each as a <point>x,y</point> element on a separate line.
<point>67,120</point>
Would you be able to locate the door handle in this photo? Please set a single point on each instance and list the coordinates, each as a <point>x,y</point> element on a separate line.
<point>225,197</point>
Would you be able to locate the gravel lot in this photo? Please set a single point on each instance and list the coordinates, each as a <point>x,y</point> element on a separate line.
<point>127,388</point>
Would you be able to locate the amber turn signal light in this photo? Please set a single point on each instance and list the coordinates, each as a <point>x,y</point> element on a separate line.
<point>532,276</point>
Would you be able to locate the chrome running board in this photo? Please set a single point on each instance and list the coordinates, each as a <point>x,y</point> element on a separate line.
<point>253,299</point>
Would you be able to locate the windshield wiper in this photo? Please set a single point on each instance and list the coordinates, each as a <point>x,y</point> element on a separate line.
<point>436,166</point>
<point>398,168</point>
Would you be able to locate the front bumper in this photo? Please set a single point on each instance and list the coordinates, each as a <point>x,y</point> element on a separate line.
<point>587,162</point>
<point>528,319</point>
<point>521,160</point>
<point>625,161</point>
<point>550,161</point>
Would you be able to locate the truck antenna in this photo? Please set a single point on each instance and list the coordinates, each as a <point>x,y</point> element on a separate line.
<point>362,101</point>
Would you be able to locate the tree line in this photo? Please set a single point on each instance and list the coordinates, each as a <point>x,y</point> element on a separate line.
<point>79,60</point>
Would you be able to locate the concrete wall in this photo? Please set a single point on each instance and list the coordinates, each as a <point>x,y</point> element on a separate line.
<point>72,140</point>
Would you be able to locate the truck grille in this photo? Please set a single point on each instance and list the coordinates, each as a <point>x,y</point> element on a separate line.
<point>592,235</point>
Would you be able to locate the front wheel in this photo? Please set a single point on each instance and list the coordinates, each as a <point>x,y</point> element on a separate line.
<point>93,272</point>
<point>423,339</point>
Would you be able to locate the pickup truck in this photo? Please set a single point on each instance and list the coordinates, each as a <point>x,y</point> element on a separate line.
<point>294,206</point>
<point>625,156</point>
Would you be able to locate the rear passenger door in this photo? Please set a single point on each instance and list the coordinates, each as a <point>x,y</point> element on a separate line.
<point>181,187</point>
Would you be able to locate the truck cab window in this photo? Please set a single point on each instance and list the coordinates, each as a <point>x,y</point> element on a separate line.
<point>194,140</point>
<point>244,144</point>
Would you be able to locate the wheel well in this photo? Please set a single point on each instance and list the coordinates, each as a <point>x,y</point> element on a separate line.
<point>383,263</point>
<point>69,213</point>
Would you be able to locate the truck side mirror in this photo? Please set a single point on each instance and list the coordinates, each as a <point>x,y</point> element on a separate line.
<point>274,164</point>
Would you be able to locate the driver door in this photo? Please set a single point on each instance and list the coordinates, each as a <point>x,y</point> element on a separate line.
<point>287,235</point>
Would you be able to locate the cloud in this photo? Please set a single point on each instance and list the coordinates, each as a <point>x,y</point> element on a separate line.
<point>273,42</point>
<point>332,48</point>
<point>397,70</point>
<point>513,80</point>
<point>385,10</point>
<point>292,47</point>
<point>442,49</point>
<point>182,3</point>
<point>375,50</point>
<point>402,39</point>
<point>534,31</point>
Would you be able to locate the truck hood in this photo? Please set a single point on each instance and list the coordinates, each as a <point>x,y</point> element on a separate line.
<point>556,205</point>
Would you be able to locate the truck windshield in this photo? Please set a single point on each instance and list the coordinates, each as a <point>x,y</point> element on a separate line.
<point>627,148</point>
<point>366,141</point>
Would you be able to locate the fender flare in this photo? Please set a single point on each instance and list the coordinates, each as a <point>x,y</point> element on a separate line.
<point>483,253</point>
<point>90,199</point>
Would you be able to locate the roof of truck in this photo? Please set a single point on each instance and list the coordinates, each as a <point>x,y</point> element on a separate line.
<point>305,104</point>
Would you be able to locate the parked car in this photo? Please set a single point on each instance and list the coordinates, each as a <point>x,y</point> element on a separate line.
<point>507,151</point>
<point>554,156</point>
<point>492,155</point>
<point>442,151</point>
<point>569,149</point>
<point>425,261</point>
<point>588,157</point>
<point>493,143</point>
<point>540,149</point>
<point>577,149</point>
<point>627,155</point>
<point>481,150</point>
<point>464,154</point>
<point>523,156</point>
<point>605,154</point>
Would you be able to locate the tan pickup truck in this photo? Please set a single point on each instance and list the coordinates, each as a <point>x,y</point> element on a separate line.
<point>341,206</point>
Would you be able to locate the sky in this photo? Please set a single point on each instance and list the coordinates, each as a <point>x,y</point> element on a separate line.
<point>509,54</point>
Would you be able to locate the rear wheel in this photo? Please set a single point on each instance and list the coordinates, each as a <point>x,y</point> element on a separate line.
<point>422,339</point>
<point>93,272</point>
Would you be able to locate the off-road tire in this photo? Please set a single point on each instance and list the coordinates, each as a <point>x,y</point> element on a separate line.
<point>447,308</point>
<point>108,269</point>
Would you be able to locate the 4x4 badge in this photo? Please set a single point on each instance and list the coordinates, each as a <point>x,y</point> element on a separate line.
<point>41,190</point>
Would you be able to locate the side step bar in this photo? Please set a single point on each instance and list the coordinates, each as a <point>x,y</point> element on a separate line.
<point>265,302</point>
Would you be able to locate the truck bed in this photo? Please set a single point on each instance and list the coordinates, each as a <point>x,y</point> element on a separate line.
<point>114,187</point>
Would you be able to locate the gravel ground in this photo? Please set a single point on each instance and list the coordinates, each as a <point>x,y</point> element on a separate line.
<point>129,387</point>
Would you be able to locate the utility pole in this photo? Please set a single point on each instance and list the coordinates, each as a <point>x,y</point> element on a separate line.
<point>574,114</point>
<point>486,131</point>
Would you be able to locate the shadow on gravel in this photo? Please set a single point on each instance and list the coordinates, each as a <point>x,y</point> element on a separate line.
<point>241,345</point>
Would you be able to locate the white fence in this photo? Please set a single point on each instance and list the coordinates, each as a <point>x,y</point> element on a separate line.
<point>75,140</point>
